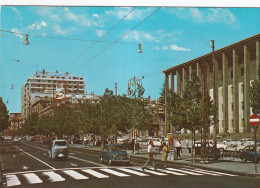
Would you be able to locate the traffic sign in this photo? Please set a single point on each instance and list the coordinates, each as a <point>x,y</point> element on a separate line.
<point>254,120</point>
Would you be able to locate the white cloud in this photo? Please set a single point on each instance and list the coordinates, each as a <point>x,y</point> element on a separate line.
<point>37,26</point>
<point>17,31</point>
<point>100,33</point>
<point>15,10</point>
<point>175,47</point>
<point>165,47</point>
<point>44,34</point>
<point>95,15</point>
<point>156,48</point>
<point>63,32</point>
<point>220,15</point>
<point>137,14</point>
<point>203,15</point>
<point>43,23</point>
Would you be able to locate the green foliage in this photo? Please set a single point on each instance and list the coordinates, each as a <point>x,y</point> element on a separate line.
<point>4,117</point>
<point>254,95</point>
<point>30,125</point>
<point>162,93</point>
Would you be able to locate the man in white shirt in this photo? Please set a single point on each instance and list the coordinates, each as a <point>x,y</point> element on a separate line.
<point>150,156</point>
<point>178,148</point>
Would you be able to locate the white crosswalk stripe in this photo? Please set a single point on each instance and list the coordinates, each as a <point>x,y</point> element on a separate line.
<point>133,172</point>
<point>184,171</point>
<point>152,172</point>
<point>171,172</point>
<point>75,175</point>
<point>36,177</point>
<point>114,172</point>
<point>32,178</point>
<point>12,180</point>
<point>95,173</point>
<point>203,172</point>
<point>53,177</point>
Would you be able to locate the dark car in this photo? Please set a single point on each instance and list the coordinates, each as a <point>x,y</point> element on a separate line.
<point>210,147</point>
<point>114,153</point>
<point>248,153</point>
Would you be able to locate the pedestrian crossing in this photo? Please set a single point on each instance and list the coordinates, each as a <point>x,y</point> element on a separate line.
<point>59,175</point>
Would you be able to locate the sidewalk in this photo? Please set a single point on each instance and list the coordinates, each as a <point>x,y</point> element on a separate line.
<point>239,168</point>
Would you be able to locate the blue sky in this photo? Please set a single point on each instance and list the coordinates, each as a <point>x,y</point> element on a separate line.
<point>169,37</point>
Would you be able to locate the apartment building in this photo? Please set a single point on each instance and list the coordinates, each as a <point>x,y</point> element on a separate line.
<point>51,86</point>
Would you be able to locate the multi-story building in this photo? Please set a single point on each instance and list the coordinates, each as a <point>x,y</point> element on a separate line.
<point>230,71</point>
<point>44,85</point>
<point>15,123</point>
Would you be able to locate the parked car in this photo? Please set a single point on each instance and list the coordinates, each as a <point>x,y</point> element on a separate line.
<point>16,140</point>
<point>231,142</point>
<point>156,142</point>
<point>242,145</point>
<point>248,153</point>
<point>114,153</point>
<point>198,150</point>
<point>58,149</point>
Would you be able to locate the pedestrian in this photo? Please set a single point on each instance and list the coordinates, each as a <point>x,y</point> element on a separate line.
<point>150,156</point>
<point>178,148</point>
<point>164,154</point>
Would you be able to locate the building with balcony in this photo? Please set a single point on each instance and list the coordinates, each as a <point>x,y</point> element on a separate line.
<point>230,71</point>
<point>42,86</point>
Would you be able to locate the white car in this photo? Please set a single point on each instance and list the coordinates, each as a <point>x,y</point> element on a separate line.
<point>156,142</point>
<point>243,145</point>
<point>231,142</point>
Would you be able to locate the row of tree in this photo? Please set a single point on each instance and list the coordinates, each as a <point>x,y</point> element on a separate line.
<point>112,115</point>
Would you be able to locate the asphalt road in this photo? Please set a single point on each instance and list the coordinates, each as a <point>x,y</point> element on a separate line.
<point>27,165</point>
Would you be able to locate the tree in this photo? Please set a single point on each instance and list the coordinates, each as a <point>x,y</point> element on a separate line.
<point>254,94</point>
<point>4,117</point>
<point>162,93</point>
<point>30,124</point>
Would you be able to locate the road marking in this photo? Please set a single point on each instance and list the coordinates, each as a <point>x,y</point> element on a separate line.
<point>171,172</point>
<point>200,171</point>
<point>114,172</point>
<point>75,175</point>
<point>132,172</point>
<point>12,180</point>
<point>32,178</point>
<point>53,177</point>
<point>73,157</point>
<point>152,172</point>
<point>35,158</point>
<point>218,173</point>
<point>94,173</point>
<point>184,171</point>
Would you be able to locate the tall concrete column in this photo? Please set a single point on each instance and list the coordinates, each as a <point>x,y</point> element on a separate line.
<point>190,72</point>
<point>225,91</point>
<point>178,82</point>
<point>166,113</point>
<point>184,81</point>
<point>199,71</point>
<point>215,88</point>
<point>246,88</point>
<point>257,56</point>
<point>172,81</point>
<point>235,92</point>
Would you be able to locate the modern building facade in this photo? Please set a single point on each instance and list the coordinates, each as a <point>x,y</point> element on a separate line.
<point>230,71</point>
<point>42,85</point>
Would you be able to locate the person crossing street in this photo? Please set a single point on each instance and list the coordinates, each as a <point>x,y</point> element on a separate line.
<point>150,156</point>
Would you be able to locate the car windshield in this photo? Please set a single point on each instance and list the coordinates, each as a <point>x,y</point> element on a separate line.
<point>60,143</point>
<point>117,148</point>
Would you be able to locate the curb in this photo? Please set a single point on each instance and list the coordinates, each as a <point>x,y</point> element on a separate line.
<point>252,175</point>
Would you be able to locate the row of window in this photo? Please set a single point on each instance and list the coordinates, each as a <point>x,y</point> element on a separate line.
<point>232,106</point>
<point>62,77</point>
<point>232,122</point>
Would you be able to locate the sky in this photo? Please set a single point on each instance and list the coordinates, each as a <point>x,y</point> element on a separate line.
<point>101,43</point>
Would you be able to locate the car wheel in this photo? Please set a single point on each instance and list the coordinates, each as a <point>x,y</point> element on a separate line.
<point>110,162</point>
<point>101,160</point>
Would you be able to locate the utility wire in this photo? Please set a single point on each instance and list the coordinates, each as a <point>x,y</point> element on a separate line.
<point>118,39</point>
<point>33,18</point>
<point>66,38</point>
<point>99,39</point>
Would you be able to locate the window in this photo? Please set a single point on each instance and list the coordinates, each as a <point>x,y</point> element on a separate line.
<point>222,107</point>
<point>242,71</point>
<point>242,105</point>
<point>243,122</point>
<point>231,74</point>
<point>242,88</point>
<point>222,92</point>
<point>232,90</point>
<point>232,107</point>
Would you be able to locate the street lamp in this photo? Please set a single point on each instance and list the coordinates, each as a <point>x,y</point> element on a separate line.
<point>134,85</point>
<point>26,42</point>
<point>139,49</point>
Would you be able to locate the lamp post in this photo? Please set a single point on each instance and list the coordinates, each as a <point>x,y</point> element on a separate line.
<point>134,85</point>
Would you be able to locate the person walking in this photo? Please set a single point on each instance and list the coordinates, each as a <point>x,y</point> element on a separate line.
<point>150,156</point>
<point>164,154</point>
<point>178,148</point>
